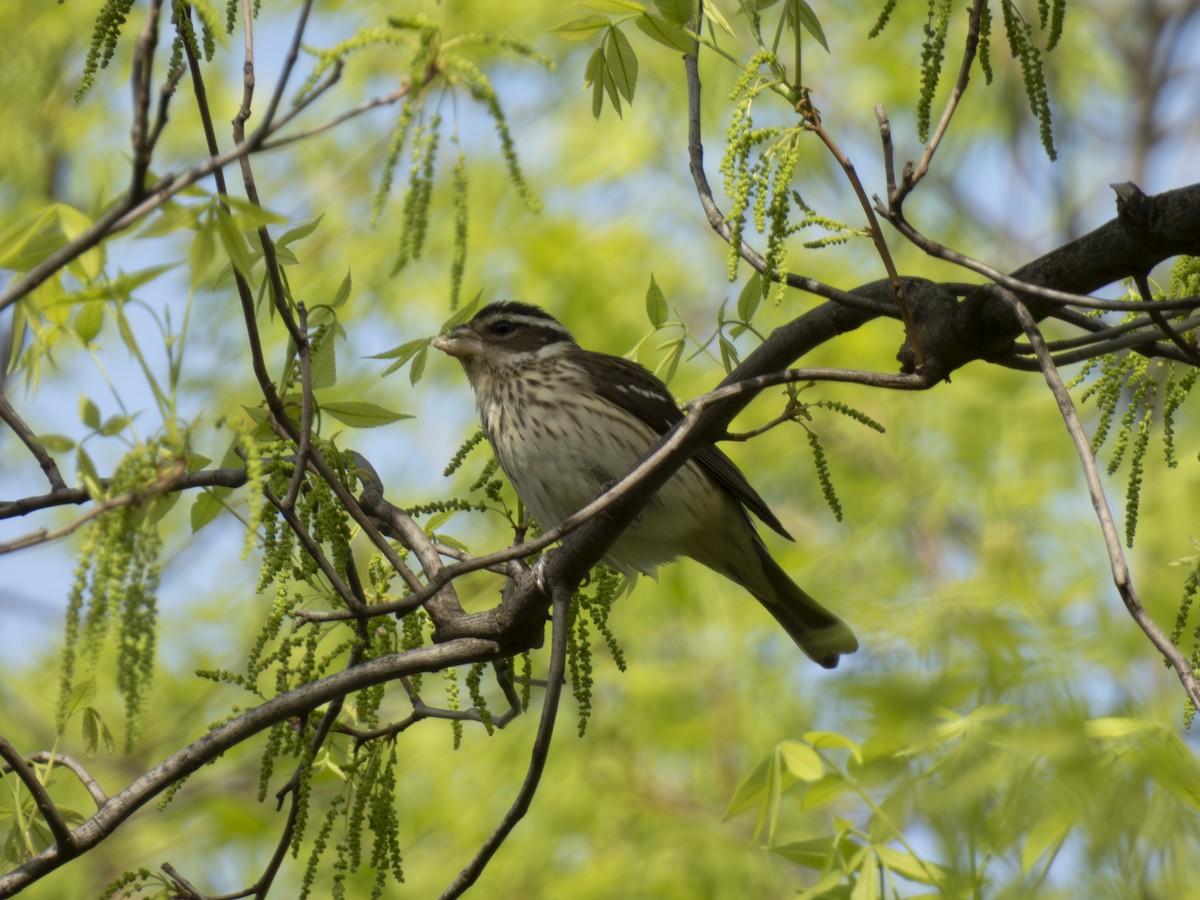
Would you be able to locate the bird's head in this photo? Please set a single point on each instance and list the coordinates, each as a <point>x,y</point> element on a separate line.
<point>504,336</point>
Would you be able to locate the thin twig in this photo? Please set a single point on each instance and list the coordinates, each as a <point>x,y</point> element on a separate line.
<point>221,738</point>
<point>1108,527</point>
<point>69,762</point>
<point>204,478</point>
<point>14,421</point>
<point>914,174</point>
<point>140,78</point>
<point>1188,350</point>
<point>161,485</point>
<point>304,352</point>
<point>812,121</point>
<point>537,758</point>
<point>54,819</point>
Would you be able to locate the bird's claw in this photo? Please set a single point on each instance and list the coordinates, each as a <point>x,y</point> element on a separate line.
<point>539,575</point>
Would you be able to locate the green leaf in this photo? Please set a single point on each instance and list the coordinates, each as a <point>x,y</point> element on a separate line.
<point>234,243</point>
<point>665,33</point>
<point>204,510</point>
<point>909,866</point>
<point>610,87</point>
<point>801,10</point>
<point>666,368</point>
<point>463,313</point>
<point>89,413</point>
<point>323,364</point>
<point>812,854</point>
<point>749,298</point>
<point>87,473</point>
<point>114,424</point>
<point>615,6</point>
<point>88,265</point>
<point>729,355</point>
<point>95,733</point>
<point>751,792</point>
<point>823,790</point>
<point>822,740</point>
<point>677,12</point>
<point>361,414</point>
<point>800,760</point>
<point>56,443</point>
<point>656,304</point>
<point>402,354</point>
<point>592,77</point>
<point>88,321</point>
<point>202,253</point>
<point>343,291</point>
<point>866,887</point>
<point>1116,726</point>
<point>622,62</point>
<point>172,217</point>
<point>582,29</point>
<point>82,693</point>
<point>714,16</point>
<point>298,233</point>
<point>418,364</point>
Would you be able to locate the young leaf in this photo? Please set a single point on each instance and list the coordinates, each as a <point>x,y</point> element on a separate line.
<point>678,12</point>
<point>418,364</point>
<point>809,20</point>
<point>89,413</point>
<point>581,29</point>
<point>343,292</point>
<point>665,33</point>
<point>204,510</point>
<point>622,62</point>
<point>298,233</point>
<point>361,414</point>
<point>234,242</point>
<point>749,298</point>
<point>593,78</point>
<point>88,321</point>
<point>656,304</point>
<point>323,364</point>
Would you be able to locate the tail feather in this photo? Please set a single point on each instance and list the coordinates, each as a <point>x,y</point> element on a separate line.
<point>817,631</point>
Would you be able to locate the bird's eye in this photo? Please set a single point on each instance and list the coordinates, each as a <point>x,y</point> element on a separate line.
<point>502,327</point>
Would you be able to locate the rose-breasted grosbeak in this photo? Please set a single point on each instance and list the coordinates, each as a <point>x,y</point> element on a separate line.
<point>566,422</point>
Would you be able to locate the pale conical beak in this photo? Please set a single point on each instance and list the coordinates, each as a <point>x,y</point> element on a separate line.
<point>459,342</point>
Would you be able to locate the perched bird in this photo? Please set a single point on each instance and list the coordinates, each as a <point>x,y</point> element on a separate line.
<point>566,422</point>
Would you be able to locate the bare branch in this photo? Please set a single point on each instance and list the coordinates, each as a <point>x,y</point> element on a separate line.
<point>561,592</point>
<point>68,762</point>
<point>161,485</point>
<point>296,702</point>
<point>63,840</point>
<point>1108,527</point>
<point>14,421</point>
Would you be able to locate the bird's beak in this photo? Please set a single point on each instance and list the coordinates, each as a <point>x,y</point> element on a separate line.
<point>459,342</point>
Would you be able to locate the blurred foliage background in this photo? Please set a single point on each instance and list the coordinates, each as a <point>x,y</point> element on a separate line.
<point>1006,731</point>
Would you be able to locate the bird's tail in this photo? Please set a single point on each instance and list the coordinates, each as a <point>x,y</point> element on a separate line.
<point>816,631</point>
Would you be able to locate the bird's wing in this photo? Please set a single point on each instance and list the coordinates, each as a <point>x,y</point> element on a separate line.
<point>641,392</point>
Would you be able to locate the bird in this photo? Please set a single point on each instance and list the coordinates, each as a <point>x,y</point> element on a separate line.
<point>565,423</point>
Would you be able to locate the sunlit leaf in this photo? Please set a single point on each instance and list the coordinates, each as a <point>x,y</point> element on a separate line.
<point>361,413</point>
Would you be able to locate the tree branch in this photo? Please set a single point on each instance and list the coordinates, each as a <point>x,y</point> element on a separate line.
<point>223,737</point>
<point>1108,527</point>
